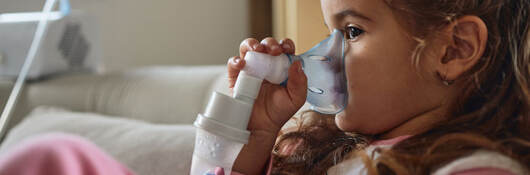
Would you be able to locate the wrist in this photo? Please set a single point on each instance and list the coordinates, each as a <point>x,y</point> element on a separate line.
<point>255,154</point>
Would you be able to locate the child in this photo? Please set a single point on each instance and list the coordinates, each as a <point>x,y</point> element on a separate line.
<point>442,85</point>
<point>435,87</point>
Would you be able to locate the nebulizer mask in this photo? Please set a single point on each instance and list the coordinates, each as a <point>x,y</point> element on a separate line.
<point>222,128</point>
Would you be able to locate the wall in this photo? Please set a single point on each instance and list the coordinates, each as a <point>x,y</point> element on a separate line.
<point>300,20</point>
<point>153,32</point>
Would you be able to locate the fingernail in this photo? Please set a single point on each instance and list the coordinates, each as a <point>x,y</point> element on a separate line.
<point>286,46</point>
<point>237,60</point>
<point>300,69</point>
<point>255,46</point>
<point>275,47</point>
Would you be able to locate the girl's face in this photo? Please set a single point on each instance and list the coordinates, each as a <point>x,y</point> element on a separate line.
<point>385,87</point>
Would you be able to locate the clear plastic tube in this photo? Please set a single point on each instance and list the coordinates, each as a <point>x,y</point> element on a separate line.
<point>42,27</point>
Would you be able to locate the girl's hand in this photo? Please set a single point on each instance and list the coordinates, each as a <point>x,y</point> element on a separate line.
<point>273,107</point>
<point>275,104</point>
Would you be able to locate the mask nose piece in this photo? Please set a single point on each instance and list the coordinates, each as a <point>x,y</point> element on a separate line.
<point>324,67</point>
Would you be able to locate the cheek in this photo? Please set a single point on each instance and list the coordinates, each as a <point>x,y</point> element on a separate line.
<point>380,85</point>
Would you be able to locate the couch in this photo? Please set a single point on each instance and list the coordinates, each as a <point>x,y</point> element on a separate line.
<point>141,117</point>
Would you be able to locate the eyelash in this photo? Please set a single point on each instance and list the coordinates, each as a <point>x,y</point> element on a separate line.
<point>352,32</point>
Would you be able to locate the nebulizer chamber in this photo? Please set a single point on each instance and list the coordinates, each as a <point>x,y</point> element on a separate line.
<point>222,128</point>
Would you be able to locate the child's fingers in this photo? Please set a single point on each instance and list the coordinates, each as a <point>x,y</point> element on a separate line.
<point>297,85</point>
<point>287,46</point>
<point>250,44</point>
<point>234,66</point>
<point>272,46</point>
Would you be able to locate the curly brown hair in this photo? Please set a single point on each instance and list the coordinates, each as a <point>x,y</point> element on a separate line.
<point>491,112</point>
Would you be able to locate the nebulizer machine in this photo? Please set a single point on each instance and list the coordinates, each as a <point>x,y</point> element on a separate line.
<point>222,128</point>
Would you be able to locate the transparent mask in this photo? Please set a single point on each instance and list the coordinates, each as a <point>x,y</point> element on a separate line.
<point>325,71</point>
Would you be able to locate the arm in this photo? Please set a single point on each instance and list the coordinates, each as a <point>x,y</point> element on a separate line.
<point>274,105</point>
<point>254,156</point>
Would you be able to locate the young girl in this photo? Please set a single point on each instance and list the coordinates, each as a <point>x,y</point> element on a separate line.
<point>435,87</point>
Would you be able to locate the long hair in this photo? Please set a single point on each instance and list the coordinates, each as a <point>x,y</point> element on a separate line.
<point>491,112</point>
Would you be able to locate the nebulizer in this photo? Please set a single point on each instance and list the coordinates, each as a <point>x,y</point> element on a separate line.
<point>222,128</point>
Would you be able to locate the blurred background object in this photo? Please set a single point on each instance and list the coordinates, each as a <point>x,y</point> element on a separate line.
<point>137,33</point>
<point>300,20</point>
<point>71,43</point>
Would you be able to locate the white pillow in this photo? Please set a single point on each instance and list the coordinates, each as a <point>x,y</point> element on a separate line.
<point>149,149</point>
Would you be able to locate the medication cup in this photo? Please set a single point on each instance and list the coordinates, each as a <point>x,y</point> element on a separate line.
<point>222,128</point>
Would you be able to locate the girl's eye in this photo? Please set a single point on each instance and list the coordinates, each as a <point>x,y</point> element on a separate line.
<point>353,32</point>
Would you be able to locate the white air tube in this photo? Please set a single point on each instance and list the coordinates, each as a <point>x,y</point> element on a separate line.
<point>40,33</point>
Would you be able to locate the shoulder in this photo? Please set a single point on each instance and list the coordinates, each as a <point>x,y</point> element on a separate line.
<point>482,162</point>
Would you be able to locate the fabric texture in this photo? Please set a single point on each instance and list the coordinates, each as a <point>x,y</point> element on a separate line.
<point>483,162</point>
<point>156,94</point>
<point>59,154</point>
<point>149,149</point>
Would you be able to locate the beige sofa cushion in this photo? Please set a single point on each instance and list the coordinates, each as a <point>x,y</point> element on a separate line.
<point>169,95</point>
<point>150,149</point>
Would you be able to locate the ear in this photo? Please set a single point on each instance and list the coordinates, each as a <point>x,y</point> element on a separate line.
<point>467,41</point>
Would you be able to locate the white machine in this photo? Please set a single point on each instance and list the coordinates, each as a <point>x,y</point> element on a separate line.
<point>70,43</point>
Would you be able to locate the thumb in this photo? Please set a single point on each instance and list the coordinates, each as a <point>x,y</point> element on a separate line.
<point>297,84</point>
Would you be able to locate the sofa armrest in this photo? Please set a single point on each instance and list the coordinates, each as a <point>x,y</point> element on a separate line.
<point>168,95</point>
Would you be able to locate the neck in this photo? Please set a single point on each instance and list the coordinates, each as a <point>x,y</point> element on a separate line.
<point>416,125</point>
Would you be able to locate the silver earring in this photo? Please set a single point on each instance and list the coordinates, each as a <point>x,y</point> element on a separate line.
<point>448,82</point>
<point>445,81</point>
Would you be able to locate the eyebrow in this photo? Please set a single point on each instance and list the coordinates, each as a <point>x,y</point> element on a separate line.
<point>350,12</point>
